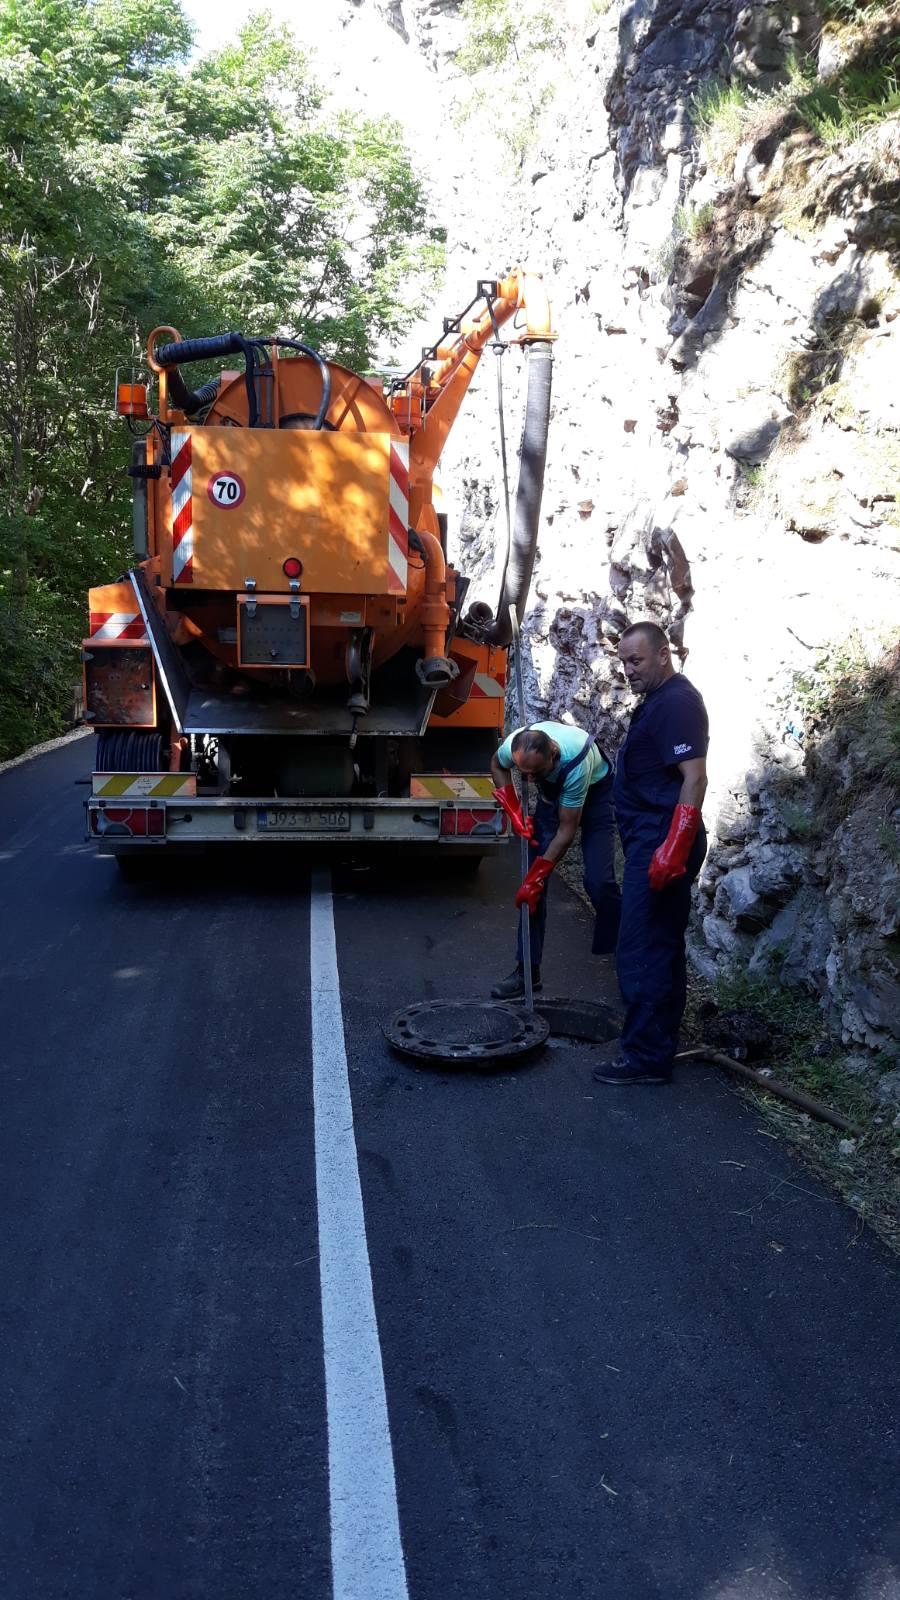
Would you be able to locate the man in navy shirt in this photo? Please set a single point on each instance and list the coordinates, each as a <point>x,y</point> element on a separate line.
<point>659,787</point>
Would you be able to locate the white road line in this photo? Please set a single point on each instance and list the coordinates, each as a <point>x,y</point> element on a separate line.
<point>366,1552</point>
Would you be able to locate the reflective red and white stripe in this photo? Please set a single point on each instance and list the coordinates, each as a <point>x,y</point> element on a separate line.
<point>117,625</point>
<point>182,510</point>
<point>398,517</point>
<point>484,687</point>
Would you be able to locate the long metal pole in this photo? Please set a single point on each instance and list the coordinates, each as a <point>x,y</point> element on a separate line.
<point>524,914</point>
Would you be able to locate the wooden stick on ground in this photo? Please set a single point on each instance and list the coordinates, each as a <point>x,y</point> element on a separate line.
<point>796,1097</point>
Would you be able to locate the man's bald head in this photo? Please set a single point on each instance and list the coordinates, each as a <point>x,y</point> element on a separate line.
<point>651,632</point>
<point>644,653</point>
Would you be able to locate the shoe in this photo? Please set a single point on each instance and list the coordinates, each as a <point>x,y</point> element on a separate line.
<point>625,1072</point>
<point>513,987</point>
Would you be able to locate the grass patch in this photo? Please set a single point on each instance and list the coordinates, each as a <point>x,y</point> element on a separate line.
<point>807,373</point>
<point>856,99</point>
<point>721,113</point>
<point>695,222</point>
<point>806,1054</point>
<point>853,705</point>
<point>862,93</point>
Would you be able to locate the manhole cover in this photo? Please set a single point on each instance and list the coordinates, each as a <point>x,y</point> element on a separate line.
<point>466,1032</point>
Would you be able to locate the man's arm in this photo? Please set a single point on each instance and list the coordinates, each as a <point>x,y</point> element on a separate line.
<point>499,773</point>
<point>569,818</point>
<point>532,885</point>
<point>693,788</point>
<point>669,860</point>
<point>507,798</point>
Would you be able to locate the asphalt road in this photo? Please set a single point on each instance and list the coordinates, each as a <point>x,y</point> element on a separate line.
<point>631,1350</point>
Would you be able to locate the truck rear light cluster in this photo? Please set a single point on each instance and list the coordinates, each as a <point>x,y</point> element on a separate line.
<point>129,822</point>
<point>459,820</point>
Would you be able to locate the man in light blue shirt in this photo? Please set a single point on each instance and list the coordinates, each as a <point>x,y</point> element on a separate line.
<point>574,785</point>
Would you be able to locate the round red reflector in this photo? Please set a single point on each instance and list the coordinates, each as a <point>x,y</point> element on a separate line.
<point>292,567</point>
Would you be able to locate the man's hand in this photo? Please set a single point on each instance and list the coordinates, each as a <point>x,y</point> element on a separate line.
<point>669,860</point>
<point>532,885</point>
<point>509,802</point>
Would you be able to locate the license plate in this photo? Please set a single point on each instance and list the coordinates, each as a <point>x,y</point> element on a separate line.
<point>294,820</point>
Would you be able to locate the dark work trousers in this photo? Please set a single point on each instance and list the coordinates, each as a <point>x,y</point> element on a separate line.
<point>598,850</point>
<point>650,959</point>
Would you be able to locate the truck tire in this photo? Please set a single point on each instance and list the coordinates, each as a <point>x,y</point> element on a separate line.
<point>134,867</point>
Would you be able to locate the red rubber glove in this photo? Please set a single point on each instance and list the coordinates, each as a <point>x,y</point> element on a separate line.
<point>532,885</point>
<point>509,802</point>
<point>669,860</point>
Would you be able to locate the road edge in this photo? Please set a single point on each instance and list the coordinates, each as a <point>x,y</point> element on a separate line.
<point>43,749</point>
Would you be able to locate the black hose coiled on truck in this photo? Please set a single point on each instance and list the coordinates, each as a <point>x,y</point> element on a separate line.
<point>190,401</point>
<point>532,461</point>
<point>171,356</point>
<point>123,750</point>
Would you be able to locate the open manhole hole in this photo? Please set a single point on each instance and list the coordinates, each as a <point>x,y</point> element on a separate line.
<point>587,1020</point>
<point>467,1032</point>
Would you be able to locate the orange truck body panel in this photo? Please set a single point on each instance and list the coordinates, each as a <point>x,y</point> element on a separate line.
<point>323,497</point>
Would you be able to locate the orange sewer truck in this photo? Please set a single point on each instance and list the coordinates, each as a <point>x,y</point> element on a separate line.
<point>291,656</point>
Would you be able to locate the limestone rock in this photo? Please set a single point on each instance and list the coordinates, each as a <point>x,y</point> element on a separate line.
<point>721,936</point>
<point>739,903</point>
<point>775,870</point>
<point>750,431</point>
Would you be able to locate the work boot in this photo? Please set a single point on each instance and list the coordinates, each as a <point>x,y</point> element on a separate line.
<point>624,1072</point>
<point>513,987</point>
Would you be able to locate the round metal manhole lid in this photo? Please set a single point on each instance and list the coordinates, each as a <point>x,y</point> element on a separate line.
<point>466,1032</point>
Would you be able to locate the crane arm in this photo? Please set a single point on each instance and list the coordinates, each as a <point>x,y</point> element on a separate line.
<point>435,392</point>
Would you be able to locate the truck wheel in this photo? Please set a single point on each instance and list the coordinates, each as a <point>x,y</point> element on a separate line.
<point>467,866</point>
<point>136,868</point>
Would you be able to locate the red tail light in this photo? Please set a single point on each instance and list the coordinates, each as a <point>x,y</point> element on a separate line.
<point>457,820</point>
<point>292,567</point>
<point>129,822</point>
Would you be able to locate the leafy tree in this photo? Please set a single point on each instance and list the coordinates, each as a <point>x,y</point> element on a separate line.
<point>507,46</point>
<point>139,186</point>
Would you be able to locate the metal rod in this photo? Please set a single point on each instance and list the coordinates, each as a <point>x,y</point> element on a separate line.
<point>795,1097</point>
<point>524,913</point>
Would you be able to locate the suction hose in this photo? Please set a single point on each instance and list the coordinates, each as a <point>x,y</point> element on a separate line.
<point>517,576</point>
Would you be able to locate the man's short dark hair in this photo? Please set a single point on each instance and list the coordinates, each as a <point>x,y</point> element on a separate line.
<point>532,742</point>
<point>652,633</point>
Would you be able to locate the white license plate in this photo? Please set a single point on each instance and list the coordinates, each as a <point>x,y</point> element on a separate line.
<point>293,820</point>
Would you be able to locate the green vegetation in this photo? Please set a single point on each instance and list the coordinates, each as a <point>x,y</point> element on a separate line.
<point>695,222</point>
<point>141,186</point>
<point>862,93</point>
<point>809,372</point>
<point>799,1052</point>
<point>859,700</point>
<point>806,1054</point>
<point>797,819</point>
<point>719,109</point>
<point>506,51</point>
<point>851,710</point>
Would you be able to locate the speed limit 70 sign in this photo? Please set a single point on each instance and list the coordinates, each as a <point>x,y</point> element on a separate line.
<point>226,490</point>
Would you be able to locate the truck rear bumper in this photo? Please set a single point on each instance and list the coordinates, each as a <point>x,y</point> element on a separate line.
<point>152,823</point>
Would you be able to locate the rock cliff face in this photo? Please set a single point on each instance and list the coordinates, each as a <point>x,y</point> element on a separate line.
<point>725,448</point>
